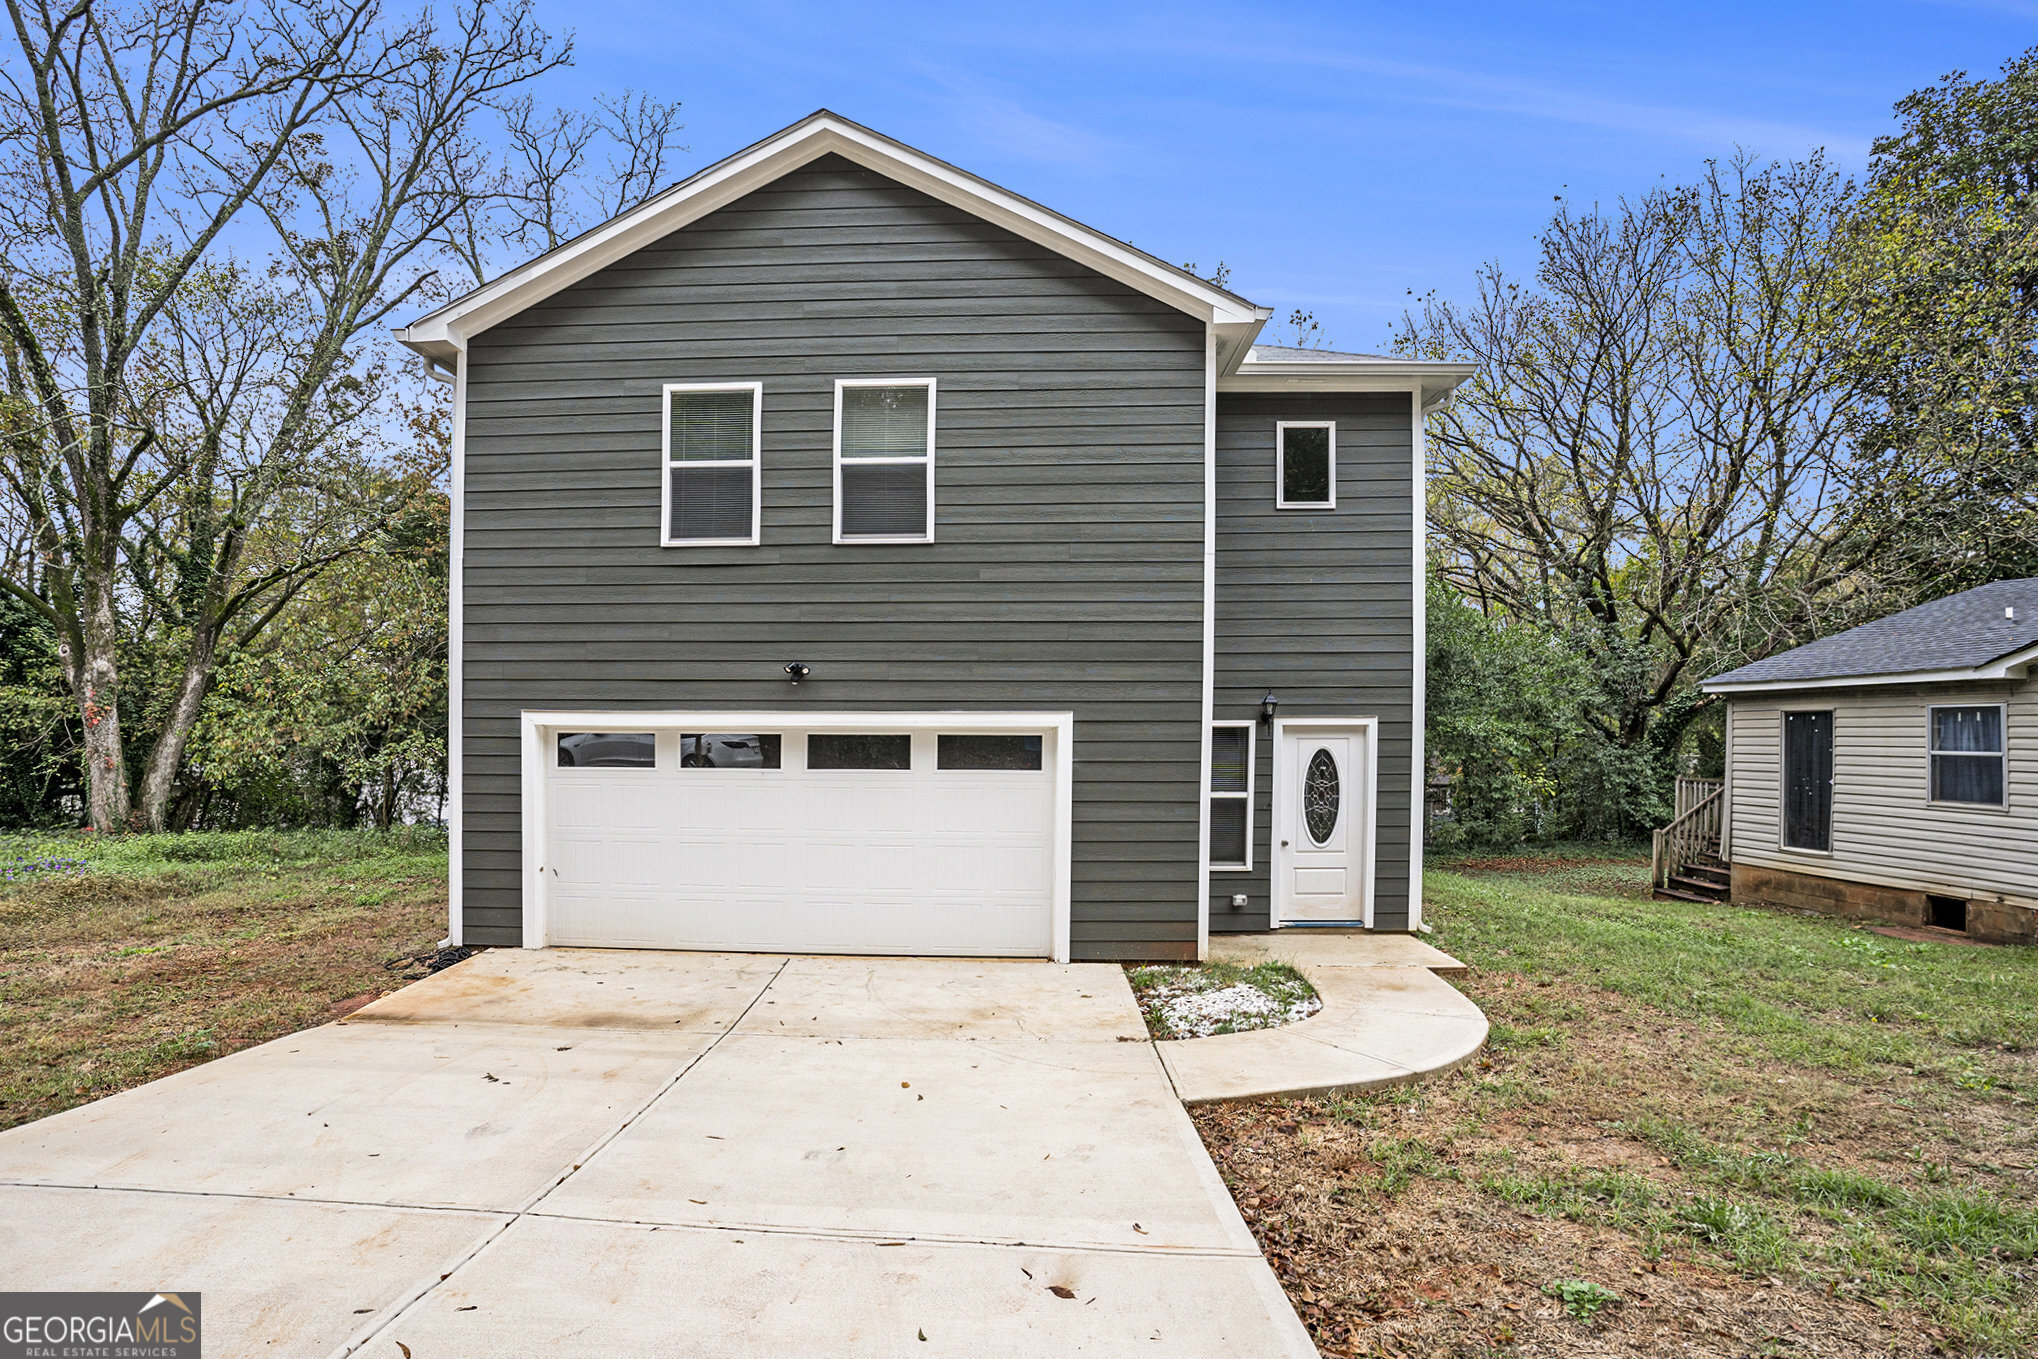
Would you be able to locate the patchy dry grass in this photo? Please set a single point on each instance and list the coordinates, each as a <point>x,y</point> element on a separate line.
<point>1765,1134</point>
<point>172,950</point>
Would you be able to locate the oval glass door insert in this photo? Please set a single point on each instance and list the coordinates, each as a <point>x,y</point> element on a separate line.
<point>1319,796</point>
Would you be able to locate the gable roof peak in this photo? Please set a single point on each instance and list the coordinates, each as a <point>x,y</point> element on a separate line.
<point>443,333</point>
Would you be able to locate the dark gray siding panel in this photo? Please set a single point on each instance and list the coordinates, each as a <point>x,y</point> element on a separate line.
<point>1067,575</point>
<point>1318,607</point>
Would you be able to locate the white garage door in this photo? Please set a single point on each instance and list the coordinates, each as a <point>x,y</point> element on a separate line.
<point>777,838</point>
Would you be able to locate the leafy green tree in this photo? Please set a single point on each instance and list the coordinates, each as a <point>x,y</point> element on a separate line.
<point>338,713</point>
<point>39,769</point>
<point>150,382</point>
<point>1648,464</point>
<point>1503,713</point>
<point>1940,275</point>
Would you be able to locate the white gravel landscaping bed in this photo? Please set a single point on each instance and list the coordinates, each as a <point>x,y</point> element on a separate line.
<point>1196,1002</point>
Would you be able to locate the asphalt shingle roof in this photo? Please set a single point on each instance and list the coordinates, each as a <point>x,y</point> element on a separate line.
<point>1960,632</point>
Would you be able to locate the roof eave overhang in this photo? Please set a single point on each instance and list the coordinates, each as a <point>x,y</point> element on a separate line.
<point>447,330</point>
<point>1434,380</point>
<point>2015,666</point>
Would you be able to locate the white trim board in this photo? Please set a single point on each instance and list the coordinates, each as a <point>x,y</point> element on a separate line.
<point>1369,781</point>
<point>1209,705</point>
<point>537,725</point>
<point>819,134</point>
<point>1432,382</point>
<point>456,650</point>
<point>1418,693</point>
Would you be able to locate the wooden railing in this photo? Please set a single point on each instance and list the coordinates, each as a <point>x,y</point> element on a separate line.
<point>1694,831</point>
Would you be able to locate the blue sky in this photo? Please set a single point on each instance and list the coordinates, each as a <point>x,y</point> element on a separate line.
<point>1336,156</point>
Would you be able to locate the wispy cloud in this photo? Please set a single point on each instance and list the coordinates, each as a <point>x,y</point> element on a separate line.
<point>1481,92</point>
<point>1003,124</point>
<point>2022,9</point>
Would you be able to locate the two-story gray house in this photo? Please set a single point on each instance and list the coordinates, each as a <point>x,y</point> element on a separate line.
<point>853,556</point>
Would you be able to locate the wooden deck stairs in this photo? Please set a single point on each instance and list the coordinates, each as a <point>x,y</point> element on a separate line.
<point>1686,863</point>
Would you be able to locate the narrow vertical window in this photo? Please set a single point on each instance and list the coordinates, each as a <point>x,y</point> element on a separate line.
<point>1808,780</point>
<point>884,460</point>
<point>1305,465</point>
<point>1231,795</point>
<point>711,463</point>
<point>1967,755</point>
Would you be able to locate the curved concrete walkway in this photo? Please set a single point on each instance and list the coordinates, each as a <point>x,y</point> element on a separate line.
<point>1387,1019</point>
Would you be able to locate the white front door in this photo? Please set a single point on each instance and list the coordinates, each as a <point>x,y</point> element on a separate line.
<point>1323,822</point>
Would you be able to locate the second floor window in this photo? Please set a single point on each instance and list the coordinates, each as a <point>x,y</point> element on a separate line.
<point>1306,457</point>
<point>884,460</point>
<point>711,457</point>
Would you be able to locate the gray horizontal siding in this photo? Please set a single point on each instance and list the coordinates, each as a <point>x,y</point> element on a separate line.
<point>1318,608</point>
<point>1067,575</point>
<point>1886,829</point>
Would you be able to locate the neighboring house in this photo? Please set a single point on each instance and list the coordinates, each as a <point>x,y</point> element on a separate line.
<point>1891,771</point>
<point>853,556</point>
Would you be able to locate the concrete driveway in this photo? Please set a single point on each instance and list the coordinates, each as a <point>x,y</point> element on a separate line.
<point>598,1152</point>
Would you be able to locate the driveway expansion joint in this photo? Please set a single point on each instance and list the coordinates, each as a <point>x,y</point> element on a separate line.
<point>395,1314</point>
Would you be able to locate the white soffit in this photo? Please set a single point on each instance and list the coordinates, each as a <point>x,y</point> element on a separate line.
<point>1434,380</point>
<point>445,332</point>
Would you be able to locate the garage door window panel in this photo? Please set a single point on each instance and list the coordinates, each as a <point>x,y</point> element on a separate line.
<point>860,750</point>
<point>884,460</point>
<point>977,752</point>
<point>730,750</point>
<point>608,750</point>
<point>712,454</point>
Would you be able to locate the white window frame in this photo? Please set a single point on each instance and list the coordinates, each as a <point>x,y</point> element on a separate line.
<point>1252,755</point>
<point>927,458</point>
<point>666,464</point>
<point>1932,751</point>
<point>1281,501</point>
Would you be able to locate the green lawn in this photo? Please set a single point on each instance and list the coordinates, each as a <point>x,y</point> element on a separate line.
<point>1736,1119</point>
<point>126,958</point>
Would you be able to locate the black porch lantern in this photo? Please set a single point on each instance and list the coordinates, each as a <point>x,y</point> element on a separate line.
<point>1267,706</point>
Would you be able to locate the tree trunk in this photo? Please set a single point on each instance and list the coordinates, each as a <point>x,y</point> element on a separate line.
<point>92,665</point>
<point>168,757</point>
